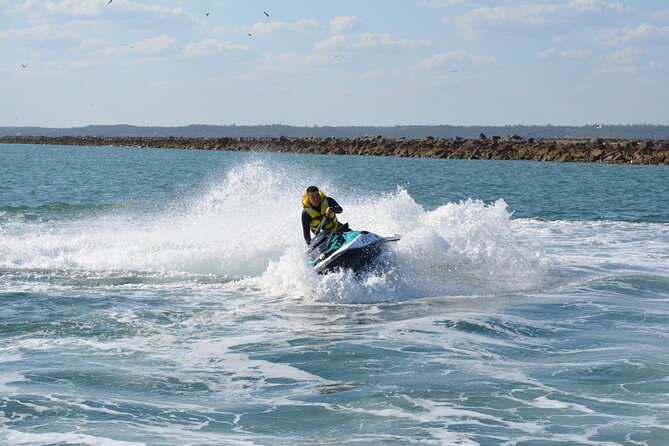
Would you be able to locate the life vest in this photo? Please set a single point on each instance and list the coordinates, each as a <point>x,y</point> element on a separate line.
<point>317,215</point>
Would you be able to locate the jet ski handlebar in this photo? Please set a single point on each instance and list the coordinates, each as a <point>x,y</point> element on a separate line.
<point>322,224</point>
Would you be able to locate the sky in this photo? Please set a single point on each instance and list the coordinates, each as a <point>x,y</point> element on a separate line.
<point>68,63</point>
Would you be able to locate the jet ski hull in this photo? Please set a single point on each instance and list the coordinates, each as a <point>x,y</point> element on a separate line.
<point>355,250</point>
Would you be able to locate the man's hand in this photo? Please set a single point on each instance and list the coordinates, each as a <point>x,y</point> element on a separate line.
<point>329,212</point>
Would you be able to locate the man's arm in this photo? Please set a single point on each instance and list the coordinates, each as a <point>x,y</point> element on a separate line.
<point>334,205</point>
<point>306,227</point>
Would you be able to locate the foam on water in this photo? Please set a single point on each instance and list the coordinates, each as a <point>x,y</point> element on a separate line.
<point>21,438</point>
<point>199,321</point>
<point>247,227</point>
<point>222,233</point>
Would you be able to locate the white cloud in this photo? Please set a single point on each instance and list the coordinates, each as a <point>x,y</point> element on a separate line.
<point>546,54</point>
<point>575,54</point>
<point>347,35</point>
<point>628,35</point>
<point>625,57</point>
<point>93,44</point>
<point>280,59</point>
<point>336,41</point>
<point>303,25</point>
<point>549,17</point>
<point>369,41</point>
<point>37,34</point>
<point>372,40</point>
<point>376,73</point>
<point>155,45</point>
<point>660,15</point>
<point>294,62</point>
<point>617,70</point>
<point>43,11</point>
<point>566,54</point>
<point>345,25</point>
<point>656,65</point>
<point>221,29</point>
<point>154,10</point>
<point>442,3</point>
<point>595,6</point>
<point>74,8</point>
<point>457,57</point>
<point>68,66</point>
<point>441,59</point>
<point>148,47</point>
<point>481,61</point>
<point>209,47</point>
<point>99,53</point>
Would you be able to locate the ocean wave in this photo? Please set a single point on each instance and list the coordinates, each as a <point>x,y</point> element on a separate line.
<point>245,227</point>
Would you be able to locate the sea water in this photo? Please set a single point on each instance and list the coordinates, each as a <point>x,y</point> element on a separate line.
<point>162,297</point>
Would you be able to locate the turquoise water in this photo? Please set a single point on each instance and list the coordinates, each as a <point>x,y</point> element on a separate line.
<point>162,297</point>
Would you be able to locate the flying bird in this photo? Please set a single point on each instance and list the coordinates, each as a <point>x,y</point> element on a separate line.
<point>250,34</point>
<point>266,13</point>
<point>24,66</point>
<point>109,2</point>
<point>207,14</point>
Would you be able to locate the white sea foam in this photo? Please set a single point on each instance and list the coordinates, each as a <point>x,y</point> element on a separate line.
<point>215,355</point>
<point>221,233</point>
<point>247,226</point>
<point>544,402</point>
<point>35,439</point>
<point>201,322</point>
<point>464,248</point>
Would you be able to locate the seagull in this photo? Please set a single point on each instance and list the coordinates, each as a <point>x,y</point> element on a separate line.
<point>109,2</point>
<point>127,44</point>
<point>207,14</point>
<point>266,13</point>
<point>24,65</point>
<point>250,34</point>
<point>337,56</point>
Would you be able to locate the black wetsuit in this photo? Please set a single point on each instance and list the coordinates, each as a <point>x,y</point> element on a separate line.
<point>306,218</point>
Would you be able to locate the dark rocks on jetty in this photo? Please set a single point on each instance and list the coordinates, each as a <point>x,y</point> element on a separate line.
<point>495,148</point>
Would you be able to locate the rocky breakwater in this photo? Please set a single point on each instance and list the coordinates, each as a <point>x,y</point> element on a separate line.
<point>493,148</point>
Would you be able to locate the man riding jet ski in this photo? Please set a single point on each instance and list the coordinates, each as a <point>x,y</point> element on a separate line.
<point>335,245</point>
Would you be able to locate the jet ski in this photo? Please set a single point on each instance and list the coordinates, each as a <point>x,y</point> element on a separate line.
<point>345,248</point>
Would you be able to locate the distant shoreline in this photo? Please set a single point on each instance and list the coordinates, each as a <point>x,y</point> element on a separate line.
<point>607,131</point>
<point>615,151</point>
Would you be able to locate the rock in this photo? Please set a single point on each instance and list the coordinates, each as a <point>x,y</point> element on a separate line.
<point>564,150</point>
